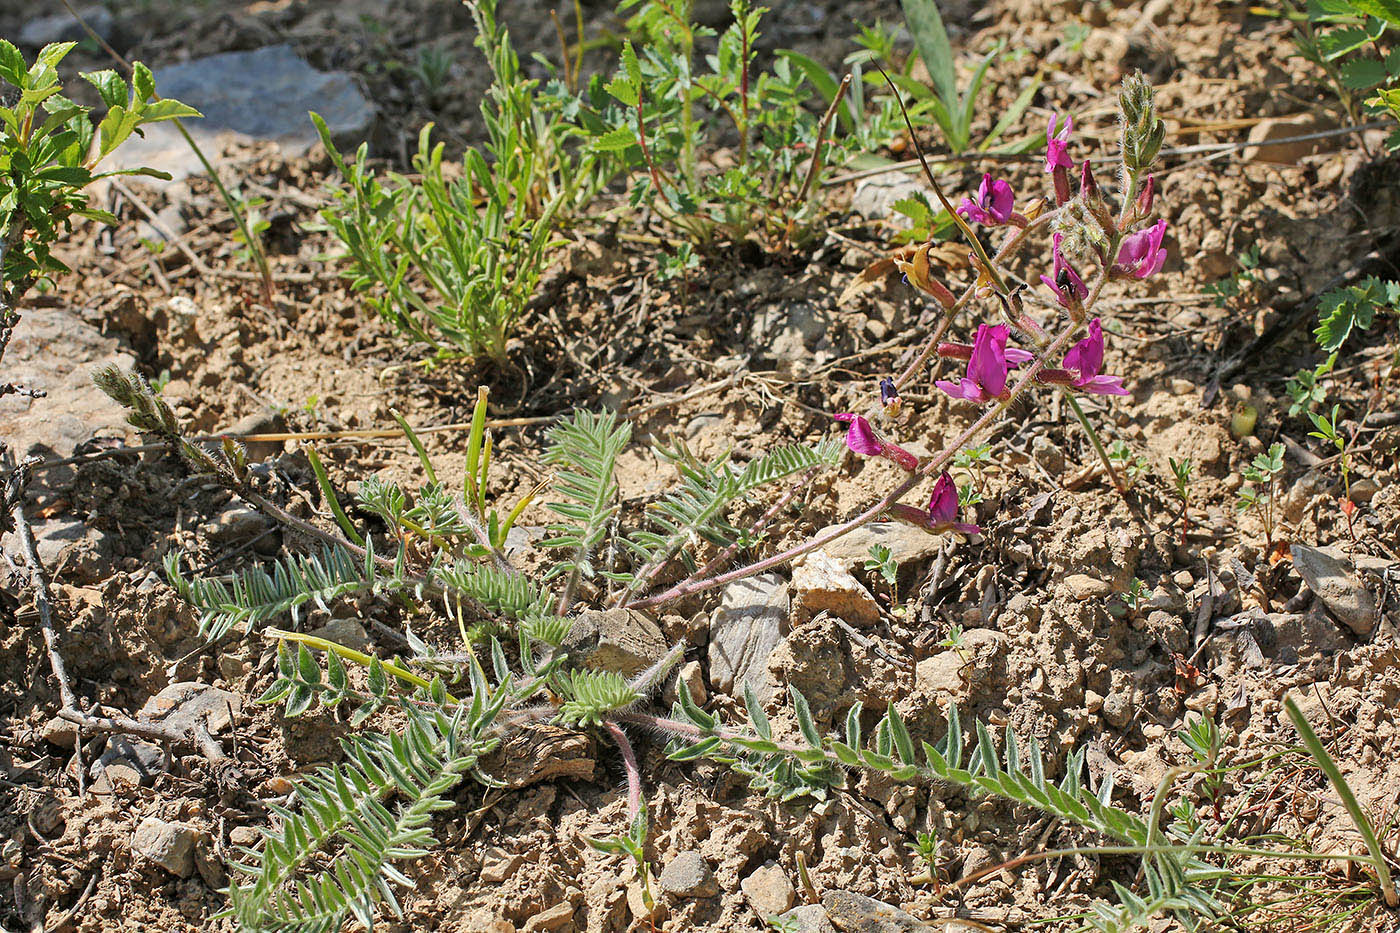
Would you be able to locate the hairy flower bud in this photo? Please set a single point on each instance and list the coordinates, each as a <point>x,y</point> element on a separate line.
<point>1143,131</point>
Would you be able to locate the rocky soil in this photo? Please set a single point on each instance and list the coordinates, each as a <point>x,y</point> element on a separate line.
<point>1029,625</point>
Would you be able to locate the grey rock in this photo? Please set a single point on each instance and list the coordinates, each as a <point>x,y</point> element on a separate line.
<point>347,632</point>
<point>1117,709</point>
<point>169,845</point>
<point>184,705</point>
<point>61,27</point>
<point>622,640</point>
<point>55,350</point>
<point>689,875</point>
<point>820,583</point>
<point>874,198</point>
<point>768,890</point>
<point>238,524</point>
<point>906,543</point>
<point>208,863</point>
<point>126,762</point>
<point>69,547</point>
<point>1333,579</point>
<point>809,918</point>
<point>264,94</point>
<point>748,625</point>
<point>855,913</point>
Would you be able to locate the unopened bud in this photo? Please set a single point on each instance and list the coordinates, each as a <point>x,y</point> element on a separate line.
<point>1143,132</point>
<point>1088,187</point>
<point>1144,198</point>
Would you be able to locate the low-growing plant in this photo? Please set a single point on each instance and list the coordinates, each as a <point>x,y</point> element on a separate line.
<point>1261,493</point>
<point>49,155</point>
<point>452,257</point>
<point>426,721</point>
<point>1340,313</point>
<point>665,111</point>
<point>1181,485</point>
<point>1351,41</point>
<point>949,107</point>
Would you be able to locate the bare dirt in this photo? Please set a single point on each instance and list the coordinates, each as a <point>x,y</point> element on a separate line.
<point>1049,645</point>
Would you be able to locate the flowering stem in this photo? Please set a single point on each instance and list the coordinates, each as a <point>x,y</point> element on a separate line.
<point>934,465</point>
<point>1094,439</point>
<point>634,773</point>
<point>1009,248</point>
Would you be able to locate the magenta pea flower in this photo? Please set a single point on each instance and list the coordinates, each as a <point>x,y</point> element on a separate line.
<point>1142,254</point>
<point>942,512</point>
<point>1086,357</point>
<point>862,439</point>
<point>1057,160</point>
<point>987,366</point>
<point>993,204</point>
<point>1057,145</point>
<point>1068,287</point>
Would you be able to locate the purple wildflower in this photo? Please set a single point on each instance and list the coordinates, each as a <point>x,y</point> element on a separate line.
<point>942,512</point>
<point>993,204</point>
<point>1142,254</point>
<point>1057,145</point>
<point>1086,356</point>
<point>1057,160</point>
<point>987,366</point>
<point>1068,287</point>
<point>862,439</point>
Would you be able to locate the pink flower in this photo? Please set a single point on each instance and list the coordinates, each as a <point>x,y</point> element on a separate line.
<point>992,205</point>
<point>862,439</point>
<point>1068,287</point>
<point>987,366</point>
<point>1086,356</point>
<point>1057,145</point>
<point>1142,254</point>
<point>942,512</point>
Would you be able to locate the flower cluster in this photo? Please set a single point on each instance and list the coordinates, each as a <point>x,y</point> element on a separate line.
<point>1085,237</point>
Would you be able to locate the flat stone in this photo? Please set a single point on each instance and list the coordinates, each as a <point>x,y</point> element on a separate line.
<point>1083,586</point>
<point>874,198</point>
<point>820,583</point>
<point>744,631</point>
<point>855,913</point>
<point>622,640</point>
<point>809,918</point>
<point>558,917</point>
<point>236,525</point>
<point>261,95</point>
<point>906,543</point>
<point>500,865</point>
<point>347,632</point>
<point>169,845</point>
<point>688,875</point>
<point>768,890</point>
<point>55,350</point>
<point>61,27</point>
<point>941,674</point>
<point>126,762</point>
<point>1332,578</point>
<point>1273,139</point>
<point>184,705</point>
<point>68,547</point>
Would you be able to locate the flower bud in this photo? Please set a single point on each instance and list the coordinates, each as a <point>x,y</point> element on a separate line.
<point>1143,132</point>
<point>1145,196</point>
<point>889,398</point>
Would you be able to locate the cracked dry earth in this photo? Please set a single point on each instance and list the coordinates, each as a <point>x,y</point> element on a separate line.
<point>1049,644</point>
